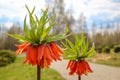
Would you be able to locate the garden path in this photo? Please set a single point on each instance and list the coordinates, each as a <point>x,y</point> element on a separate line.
<point>101,72</point>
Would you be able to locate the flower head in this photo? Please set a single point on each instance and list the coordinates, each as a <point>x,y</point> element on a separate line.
<point>38,41</point>
<point>41,55</point>
<point>79,67</point>
<point>76,53</point>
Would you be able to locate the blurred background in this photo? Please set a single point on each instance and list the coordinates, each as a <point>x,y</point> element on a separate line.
<point>99,19</point>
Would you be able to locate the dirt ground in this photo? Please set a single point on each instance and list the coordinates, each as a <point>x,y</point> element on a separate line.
<point>101,72</point>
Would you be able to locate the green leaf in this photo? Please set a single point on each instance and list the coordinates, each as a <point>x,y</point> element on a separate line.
<point>70,50</point>
<point>67,29</point>
<point>27,8</point>
<point>26,31</point>
<point>50,27</point>
<point>92,52</point>
<point>55,38</point>
<point>31,18</point>
<point>84,49</point>
<point>44,34</point>
<point>70,57</point>
<point>39,33</point>
<point>41,21</point>
<point>32,21</point>
<point>37,20</point>
<point>32,35</point>
<point>70,44</point>
<point>19,37</point>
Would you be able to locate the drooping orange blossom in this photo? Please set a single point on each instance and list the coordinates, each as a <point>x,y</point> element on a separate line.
<point>41,55</point>
<point>79,67</point>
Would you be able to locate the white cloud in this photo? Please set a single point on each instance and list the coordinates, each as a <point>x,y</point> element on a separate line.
<point>94,7</point>
<point>16,8</point>
<point>8,24</point>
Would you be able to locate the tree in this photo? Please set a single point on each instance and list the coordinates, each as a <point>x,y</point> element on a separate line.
<point>62,18</point>
<point>98,40</point>
<point>82,23</point>
<point>117,27</point>
<point>93,29</point>
<point>69,19</point>
<point>10,42</point>
<point>2,41</point>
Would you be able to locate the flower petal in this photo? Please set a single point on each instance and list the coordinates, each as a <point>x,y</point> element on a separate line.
<point>69,64</point>
<point>22,47</point>
<point>73,68</point>
<point>31,55</point>
<point>47,56</point>
<point>88,69</point>
<point>55,52</point>
<point>57,48</point>
<point>40,54</point>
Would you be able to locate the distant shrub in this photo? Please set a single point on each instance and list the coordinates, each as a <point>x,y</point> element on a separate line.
<point>106,50</point>
<point>117,49</point>
<point>99,50</point>
<point>111,46</point>
<point>7,57</point>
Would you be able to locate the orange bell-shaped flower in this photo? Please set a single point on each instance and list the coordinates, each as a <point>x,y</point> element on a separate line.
<point>41,55</point>
<point>79,67</point>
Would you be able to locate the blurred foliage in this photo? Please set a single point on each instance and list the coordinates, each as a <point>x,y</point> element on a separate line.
<point>8,42</point>
<point>117,49</point>
<point>106,50</point>
<point>7,57</point>
<point>104,39</point>
<point>99,50</point>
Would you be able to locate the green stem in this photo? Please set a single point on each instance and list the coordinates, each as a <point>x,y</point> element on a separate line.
<point>38,72</point>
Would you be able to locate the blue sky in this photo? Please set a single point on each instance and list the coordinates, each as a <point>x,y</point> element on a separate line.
<point>98,11</point>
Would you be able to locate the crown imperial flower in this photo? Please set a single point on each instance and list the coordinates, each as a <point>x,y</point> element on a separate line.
<point>39,42</point>
<point>76,53</point>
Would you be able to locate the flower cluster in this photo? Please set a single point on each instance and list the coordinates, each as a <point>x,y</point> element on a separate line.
<point>79,67</point>
<point>38,40</point>
<point>41,55</point>
<point>76,53</point>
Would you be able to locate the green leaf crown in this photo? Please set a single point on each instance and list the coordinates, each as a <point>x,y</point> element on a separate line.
<point>40,30</point>
<point>78,50</point>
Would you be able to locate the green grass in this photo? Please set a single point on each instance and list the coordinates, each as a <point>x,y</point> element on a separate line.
<point>114,60</point>
<point>19,71</point>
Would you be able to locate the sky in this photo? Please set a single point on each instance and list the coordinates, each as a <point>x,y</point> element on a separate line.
<point>98,11</point>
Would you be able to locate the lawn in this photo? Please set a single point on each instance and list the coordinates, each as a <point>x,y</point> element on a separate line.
<point>19,71</point>
<point>112,59</point>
